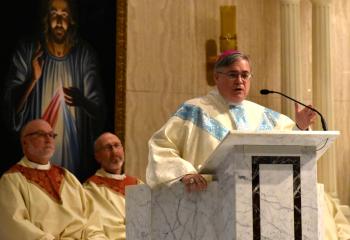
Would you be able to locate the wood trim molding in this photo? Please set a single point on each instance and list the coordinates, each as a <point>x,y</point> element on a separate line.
<point>120,84</point>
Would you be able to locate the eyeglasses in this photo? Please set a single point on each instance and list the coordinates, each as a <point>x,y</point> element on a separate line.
<point>110,147</point>
<point>235,75</point>
<point>42,134</point>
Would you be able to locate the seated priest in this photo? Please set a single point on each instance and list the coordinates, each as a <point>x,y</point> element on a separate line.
<point>191,135</point>
<point>107,186</point>
<point>39,200</point>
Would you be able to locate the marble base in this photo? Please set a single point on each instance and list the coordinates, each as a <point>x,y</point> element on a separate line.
<point>171,213</point>
<point>256,197</point>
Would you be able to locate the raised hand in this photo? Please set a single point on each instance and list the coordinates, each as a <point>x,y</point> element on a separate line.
<point>37,67</point>
<point>304,117</point>
<point>37,63</point>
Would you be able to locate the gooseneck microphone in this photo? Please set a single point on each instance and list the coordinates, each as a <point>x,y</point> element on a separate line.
<point>323,121</point>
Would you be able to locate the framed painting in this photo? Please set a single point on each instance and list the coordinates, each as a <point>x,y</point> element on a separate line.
<point>102,25</point>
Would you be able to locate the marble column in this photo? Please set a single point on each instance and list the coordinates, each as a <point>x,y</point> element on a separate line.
<point>290,53</point>
<point>322,85</point>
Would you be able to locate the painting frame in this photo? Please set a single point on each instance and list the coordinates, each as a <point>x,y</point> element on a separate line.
<point>121,58</point>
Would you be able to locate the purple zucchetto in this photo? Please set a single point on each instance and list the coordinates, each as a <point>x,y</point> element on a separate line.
<point>227,53</point>
<point>226,58</point>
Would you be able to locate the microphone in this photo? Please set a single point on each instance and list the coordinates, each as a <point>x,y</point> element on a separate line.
<point>323,121</point>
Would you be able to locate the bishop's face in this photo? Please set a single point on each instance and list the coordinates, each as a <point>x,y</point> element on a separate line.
<point>59,20</point>
<point>233,82</point>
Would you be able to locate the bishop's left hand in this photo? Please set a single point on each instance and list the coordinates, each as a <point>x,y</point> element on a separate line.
<point>194,182</point>
<point>304,117</point>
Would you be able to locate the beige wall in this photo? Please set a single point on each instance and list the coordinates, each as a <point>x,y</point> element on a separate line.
<point>340,45</point>
<point>166,64</point>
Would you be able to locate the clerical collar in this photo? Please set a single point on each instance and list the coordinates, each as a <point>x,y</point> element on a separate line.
<point>235,104</point>
<point>38,166</point>
<point>112,175</point>
<point>232,104</point>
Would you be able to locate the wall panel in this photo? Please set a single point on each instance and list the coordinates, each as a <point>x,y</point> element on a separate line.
<point>340,53</point>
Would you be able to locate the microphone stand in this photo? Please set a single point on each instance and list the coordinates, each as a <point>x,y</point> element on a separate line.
<point>323,121</point>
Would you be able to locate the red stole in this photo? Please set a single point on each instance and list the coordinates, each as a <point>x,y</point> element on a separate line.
<point>114,184</point>
<point>50,181</point>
